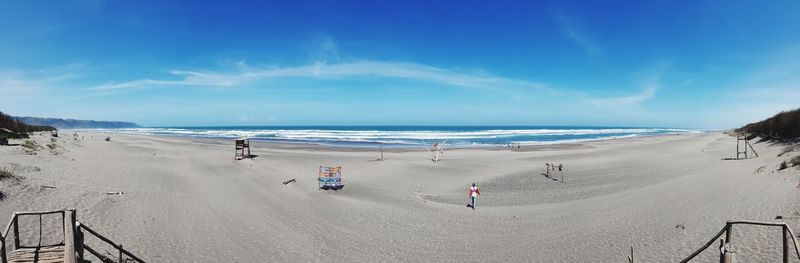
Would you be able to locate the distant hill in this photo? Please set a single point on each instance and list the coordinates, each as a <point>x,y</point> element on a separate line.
<point>784,125</point>
<point>76,124</point>
<point>19,127</point>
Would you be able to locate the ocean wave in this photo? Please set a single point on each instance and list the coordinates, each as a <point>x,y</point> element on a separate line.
<point>413,137</point>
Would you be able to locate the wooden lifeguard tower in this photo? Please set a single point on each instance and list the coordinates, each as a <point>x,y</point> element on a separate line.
<point>741,140</point>
<point>242,149</point>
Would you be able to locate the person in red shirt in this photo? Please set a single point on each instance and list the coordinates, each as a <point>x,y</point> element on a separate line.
<point>473,194</point>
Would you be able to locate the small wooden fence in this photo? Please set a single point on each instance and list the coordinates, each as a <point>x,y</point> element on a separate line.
<point>123,255</point>
<point>70,249</point>
<point>787,233</point>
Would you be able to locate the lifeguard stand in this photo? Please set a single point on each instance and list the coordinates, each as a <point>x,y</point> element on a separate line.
<point>242,148</point>
<point>742,140</point>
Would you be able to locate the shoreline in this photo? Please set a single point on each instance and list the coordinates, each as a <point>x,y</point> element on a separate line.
<point>544,146</point>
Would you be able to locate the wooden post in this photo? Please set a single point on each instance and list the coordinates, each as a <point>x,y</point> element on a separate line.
<point>78,236</point>
<point>69,237</point>
<point>79,242</point>
<point>120,254</point>
<point>728,233</point>
<point>753,149</point>
<point>632,258</point>
<point>381,153</point>
<point>16,232</point>
<point>547,171</point>
<point>785,245</point>
<point>737,147</point>
<point>729,257</point>
<point>745,146</point>
<point>2,250</point>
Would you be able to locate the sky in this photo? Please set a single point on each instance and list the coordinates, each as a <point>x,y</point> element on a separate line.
<point>682,64</point>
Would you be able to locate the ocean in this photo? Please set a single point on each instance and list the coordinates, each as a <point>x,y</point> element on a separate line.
<point>407,136</point>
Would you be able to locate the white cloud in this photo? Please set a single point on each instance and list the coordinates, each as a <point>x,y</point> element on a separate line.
<point>580,38</point>
<point>322,70</point>
<point>650,86</point>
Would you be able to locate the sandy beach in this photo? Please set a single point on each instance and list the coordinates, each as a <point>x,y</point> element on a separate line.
<point>188,200</point>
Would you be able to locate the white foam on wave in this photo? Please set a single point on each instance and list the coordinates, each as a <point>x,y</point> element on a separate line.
<point>468,137</point>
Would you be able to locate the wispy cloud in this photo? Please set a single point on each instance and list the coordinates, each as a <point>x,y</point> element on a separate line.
<point>569,29</point>
<point>649,87</point>
<point>321,70</point>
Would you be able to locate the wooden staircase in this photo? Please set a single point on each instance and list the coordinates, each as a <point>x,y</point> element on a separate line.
<point>69,250</point>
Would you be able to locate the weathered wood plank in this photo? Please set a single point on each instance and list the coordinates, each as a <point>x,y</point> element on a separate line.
<point>69,237</point>
<point>39,255</point>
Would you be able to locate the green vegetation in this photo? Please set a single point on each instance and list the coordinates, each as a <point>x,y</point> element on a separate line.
<point>31,146</point>
<point>785,151</point>
<point>19,129</point>
<point>4,176</point>
<point>794,162</point>
<point>53,144</point>
<point>782,126</point>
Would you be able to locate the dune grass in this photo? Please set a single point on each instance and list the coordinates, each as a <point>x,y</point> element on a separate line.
<point>784,125</point>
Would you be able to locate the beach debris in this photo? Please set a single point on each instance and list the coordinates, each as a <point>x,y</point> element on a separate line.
<point>114,193</point>
<point>632,257</point>
<point>289,181</point>
<point>779,217</point>
<point>760,169</point>
<point>680,226</point>
<point>108,138</point>
<point>48,186</point>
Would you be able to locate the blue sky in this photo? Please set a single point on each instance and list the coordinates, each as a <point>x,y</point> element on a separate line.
<point>694,64</point>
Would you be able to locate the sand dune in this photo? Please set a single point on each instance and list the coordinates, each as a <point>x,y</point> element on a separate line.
<point>187,200</point>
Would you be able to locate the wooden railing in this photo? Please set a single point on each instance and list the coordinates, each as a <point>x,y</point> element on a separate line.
<point>73,241</point>
<point>787,232</point>
<point>122,252</point>
<point>67,216</point>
